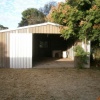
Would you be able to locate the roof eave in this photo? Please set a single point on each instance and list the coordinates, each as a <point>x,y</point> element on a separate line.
<point>36,25</point>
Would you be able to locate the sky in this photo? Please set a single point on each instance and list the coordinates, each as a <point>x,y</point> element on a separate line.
<point>10,10</point>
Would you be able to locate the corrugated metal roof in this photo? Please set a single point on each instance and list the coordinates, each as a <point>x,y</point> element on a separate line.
<point>30,26</point>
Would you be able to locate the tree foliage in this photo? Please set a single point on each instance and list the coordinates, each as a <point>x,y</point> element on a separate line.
<point>3,27</point>
<point>31,16</point>
<point>47,7</point>
<point>79,19</point>
<point>34,16</point>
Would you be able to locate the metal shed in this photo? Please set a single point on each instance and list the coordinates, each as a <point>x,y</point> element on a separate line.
<point>16,44</point>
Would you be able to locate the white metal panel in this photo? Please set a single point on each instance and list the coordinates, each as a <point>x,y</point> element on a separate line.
<point>20,50</point>
<point>70,52</point>
<point>88,46</point>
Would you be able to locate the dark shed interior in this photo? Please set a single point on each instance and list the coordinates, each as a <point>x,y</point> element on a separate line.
<point>45,44</point>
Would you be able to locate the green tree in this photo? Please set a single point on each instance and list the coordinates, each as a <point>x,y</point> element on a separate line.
<point>31,16</point>
<point>47,7</point>
<point>3,27</point>
<point>79,19</point>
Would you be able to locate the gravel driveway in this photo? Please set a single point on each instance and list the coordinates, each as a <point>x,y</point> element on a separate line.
<point>49,84</point>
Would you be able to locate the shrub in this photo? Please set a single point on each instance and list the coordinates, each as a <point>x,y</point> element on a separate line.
<point>80,56</point>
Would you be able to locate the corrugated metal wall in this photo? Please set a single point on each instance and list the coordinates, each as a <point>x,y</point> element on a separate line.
<point>4,50</point>
<point>45,29</point>
<point>71,53</point>
<point>16,45</point>
<point>20,50</point>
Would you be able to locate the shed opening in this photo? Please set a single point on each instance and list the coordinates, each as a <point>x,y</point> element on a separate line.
<point>48,46</point>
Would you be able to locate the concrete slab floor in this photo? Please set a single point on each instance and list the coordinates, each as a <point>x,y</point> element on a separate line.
<point>54,63</point>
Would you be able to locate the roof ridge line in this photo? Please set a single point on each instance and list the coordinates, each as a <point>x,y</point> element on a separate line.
<point>29,26</point>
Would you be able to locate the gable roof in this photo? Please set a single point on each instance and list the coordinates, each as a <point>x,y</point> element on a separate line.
<point>43,26</point>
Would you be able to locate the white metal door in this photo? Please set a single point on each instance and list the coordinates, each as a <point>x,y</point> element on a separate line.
<point>21,50</point>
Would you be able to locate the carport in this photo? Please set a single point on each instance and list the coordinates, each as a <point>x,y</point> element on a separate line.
<point>21,47</point>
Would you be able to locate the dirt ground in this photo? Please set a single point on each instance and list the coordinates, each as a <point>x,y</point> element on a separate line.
<point>49,84</point>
